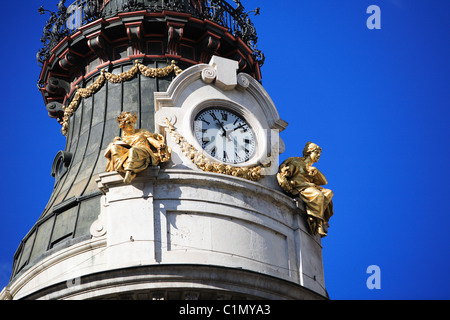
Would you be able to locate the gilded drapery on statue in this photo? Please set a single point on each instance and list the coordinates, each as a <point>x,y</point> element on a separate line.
<point>298,177</point>
<point>136,149</point>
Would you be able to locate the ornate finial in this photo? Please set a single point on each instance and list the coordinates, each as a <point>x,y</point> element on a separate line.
<point>256,11</point>
<point>42,10</point>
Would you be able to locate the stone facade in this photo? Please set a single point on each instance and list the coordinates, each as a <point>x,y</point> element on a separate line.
<point>179,232</point>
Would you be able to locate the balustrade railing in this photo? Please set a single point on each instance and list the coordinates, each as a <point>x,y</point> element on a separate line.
<point>67,20</point>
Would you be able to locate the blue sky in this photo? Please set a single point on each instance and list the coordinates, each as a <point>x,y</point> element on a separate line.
<point>376,101</point>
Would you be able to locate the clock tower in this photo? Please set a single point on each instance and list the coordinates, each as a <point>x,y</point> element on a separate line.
<point>204,216</point>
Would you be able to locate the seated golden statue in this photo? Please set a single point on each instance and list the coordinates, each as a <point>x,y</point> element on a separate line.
<point>136,149</point>
<point>299,178</point>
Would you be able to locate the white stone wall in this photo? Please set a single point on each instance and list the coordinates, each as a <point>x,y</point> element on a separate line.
<point>173,217</point>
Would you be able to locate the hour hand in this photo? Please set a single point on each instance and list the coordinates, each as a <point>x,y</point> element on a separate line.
<point>225,133</point>
<point>221,126</point>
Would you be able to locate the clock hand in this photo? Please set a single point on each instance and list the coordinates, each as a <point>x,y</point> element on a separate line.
<point>220,125</point>
<point>238,127</point>
<point>225,132</point>
<point>213,116</point>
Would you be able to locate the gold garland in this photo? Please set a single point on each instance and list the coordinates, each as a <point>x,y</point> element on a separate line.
<point>252,173</point>
<point>113,78</point>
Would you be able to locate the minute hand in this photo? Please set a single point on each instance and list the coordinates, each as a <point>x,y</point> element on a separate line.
<point>238,127</point>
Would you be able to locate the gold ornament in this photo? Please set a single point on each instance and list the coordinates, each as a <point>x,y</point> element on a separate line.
<point>136,149</point>
<point>207,165</point>
<point>114,78</point>
<point>298,177</point>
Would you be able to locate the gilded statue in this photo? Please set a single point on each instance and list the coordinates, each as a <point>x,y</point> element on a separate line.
<point>298,177</point>
<point>136,149</point>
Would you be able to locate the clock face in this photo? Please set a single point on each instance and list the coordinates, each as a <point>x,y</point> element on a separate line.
<point>224,135</point>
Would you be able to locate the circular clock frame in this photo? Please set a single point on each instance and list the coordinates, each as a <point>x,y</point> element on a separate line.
<point>256,147</point>
<point>225,135</point>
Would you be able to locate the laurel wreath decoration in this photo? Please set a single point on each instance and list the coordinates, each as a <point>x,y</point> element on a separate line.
<point>113,78</point>
<point>205,164</point>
